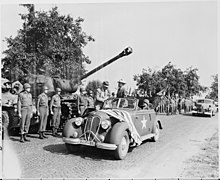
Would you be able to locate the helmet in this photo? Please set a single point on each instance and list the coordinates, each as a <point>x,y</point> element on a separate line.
<point>58,90</point>
<point>26,85</point>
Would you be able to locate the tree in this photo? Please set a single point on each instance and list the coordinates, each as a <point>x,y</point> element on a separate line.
<point>170,78</point>
<point>192,82</point>
<point>93,85</point>
<point>48,43</point>
<point>214,88</point>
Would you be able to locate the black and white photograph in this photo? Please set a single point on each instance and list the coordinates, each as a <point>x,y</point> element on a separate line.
<point>109,89</point>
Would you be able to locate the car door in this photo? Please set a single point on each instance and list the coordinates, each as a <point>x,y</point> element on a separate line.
<point>143,121</point>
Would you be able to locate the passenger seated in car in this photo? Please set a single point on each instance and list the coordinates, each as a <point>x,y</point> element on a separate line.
<point>146,104</point>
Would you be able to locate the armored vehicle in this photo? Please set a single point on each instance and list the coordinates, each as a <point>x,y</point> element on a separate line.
<point>10,119</point>
<point>69,100</point>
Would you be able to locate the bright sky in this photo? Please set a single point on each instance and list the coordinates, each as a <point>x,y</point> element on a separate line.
<point>184,33</point>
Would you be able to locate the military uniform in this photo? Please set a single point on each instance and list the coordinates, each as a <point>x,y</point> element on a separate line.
<point>25,112</point>
<point>121,92</point>
<point>121,89</point>
<point>101,96</point>
<point>90,102</point>
<point>55,107</point>
<point>43,109</point>
<point>83,103</point>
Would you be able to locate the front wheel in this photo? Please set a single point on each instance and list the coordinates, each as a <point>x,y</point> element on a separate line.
<point>72,148</point>
<point>122,147</point>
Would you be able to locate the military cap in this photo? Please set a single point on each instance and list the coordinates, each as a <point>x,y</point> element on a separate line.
<point>105,83</point>
<point>26,85</point>
<point>122,81</point>
<point>146,101</point>
<point>58,89</point>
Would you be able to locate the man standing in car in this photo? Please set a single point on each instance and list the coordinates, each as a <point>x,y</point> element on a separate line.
<point>121,89</point>
<point>102,94</point>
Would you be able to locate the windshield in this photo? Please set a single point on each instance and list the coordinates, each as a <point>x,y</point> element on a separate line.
<point>120,103</point>
<point>206,101</point>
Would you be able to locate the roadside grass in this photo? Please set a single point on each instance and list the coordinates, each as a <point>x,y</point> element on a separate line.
<point>206,163</point>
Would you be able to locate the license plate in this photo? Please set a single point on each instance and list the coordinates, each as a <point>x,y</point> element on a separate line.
<point>88,143</point>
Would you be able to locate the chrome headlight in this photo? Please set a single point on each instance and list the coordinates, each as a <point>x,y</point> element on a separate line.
<point>105,124</point>
<point>78,121</point>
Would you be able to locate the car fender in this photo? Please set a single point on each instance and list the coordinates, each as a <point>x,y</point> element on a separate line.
<point>70,127</point>
<point>117,129</point>
<point>154,125</point>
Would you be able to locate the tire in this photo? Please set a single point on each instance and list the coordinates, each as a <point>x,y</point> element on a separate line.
<point>72,148</point>
<point>156,131</point>
<point>123,146</point>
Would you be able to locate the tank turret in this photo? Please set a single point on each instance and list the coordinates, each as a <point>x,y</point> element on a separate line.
<point>67,86</point>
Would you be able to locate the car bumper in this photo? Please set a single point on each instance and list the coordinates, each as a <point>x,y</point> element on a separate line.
<point>201,112</point>
<point>77,141</point>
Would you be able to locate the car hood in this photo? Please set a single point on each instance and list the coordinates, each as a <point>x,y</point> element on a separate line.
<point>101,114</point>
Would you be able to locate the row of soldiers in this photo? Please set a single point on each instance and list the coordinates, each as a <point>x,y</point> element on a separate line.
<point>25,106</point>
<point>25,111</point>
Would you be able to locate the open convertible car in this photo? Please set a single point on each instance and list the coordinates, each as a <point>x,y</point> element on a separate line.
<point>120,124</point>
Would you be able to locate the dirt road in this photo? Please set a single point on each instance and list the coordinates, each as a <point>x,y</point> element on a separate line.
<point>180,139</point>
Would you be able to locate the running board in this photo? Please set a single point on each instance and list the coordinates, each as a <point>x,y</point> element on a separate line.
<point>148,136</point>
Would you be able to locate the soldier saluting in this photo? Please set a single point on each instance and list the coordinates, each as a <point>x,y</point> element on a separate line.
<point>25,111</point>
<point>55,109</point>
<point>43,111</point>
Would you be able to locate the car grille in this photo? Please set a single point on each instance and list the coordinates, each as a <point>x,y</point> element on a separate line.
<point>91,129</point>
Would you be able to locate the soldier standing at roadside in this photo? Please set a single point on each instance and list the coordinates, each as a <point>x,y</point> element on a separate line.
<point>121,89</point>
<point>43,111</point>
<point>25,111</point>
<point>102,94</point>
<point>55,109</point>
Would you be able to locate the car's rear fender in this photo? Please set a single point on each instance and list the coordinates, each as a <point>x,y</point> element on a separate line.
<point>155,122</point>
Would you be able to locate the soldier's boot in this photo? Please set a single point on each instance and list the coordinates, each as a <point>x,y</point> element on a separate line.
<point>41,135</point>
<point>44,135</point>
<point>22,138</point>
<point>53,132</point>
<point>56,133</point>
<point>25,138</point>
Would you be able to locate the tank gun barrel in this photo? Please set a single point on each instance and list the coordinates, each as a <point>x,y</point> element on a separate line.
<point>125,52</point>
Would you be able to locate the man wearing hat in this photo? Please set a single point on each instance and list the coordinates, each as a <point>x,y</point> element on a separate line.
<point>25,111</point>
<point>121,89</point>
<point>43,111</point>
<point>55,109</point>
<point>102,94</point>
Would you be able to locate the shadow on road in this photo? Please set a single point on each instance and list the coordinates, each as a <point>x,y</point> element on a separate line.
<point>85,152</point>
<point>56,149</point>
